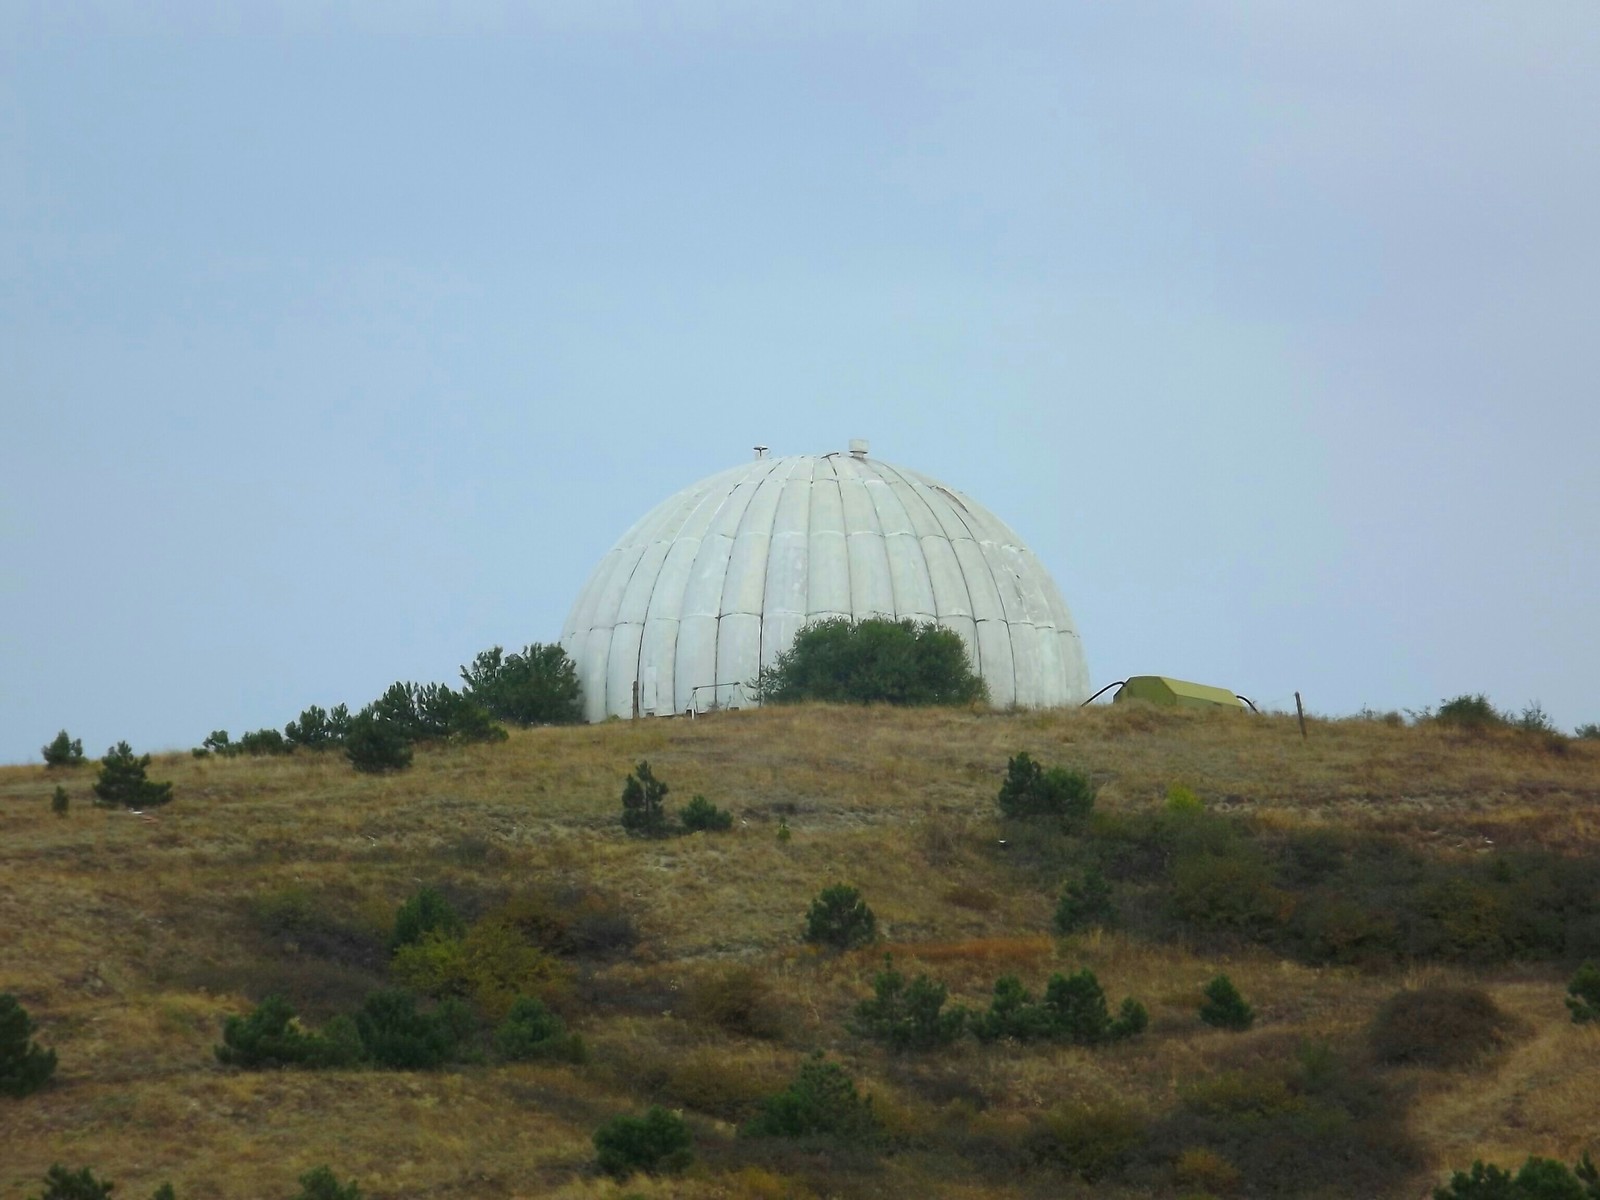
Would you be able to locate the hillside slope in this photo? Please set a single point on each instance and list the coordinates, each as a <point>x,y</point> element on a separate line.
<point>131,937</point>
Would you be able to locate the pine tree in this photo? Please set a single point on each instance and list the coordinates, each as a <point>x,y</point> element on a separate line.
<point>25,1066</point>
<point>122,780</point>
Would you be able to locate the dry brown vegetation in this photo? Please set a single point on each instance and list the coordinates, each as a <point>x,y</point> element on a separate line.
<point>129,938</point>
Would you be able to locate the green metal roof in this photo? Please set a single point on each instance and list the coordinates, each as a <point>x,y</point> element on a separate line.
<point>1162,689</point>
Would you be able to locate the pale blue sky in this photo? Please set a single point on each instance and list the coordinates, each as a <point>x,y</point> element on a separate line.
<point>339,342</point>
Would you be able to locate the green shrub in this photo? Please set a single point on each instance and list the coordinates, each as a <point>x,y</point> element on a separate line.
<point>840,918</point>
<point>1469,712</point>
<point>538,686</point>
<point>644,811</point>
<point>532,1031</point>
<point>1589,732</point>
<point>1012,1013</point>
<point>60,801</point>
<point>1230,891</point>
<point>1437,1026</point>
<point>1076,1007</point>
<point>1085,904</point>
<point>122,780</point>
<point>1539,1179</point>
<point>62,1184</point>
<point>821,1101</point>
<point>1092,1140</point>
<point>1073,1010</point>
<point>63,751</point>
<point>1583,994</point>
<point>1181,799</point>
<point>322,1184</point>
<point>269,1037</point>
<point>318,729</point>
<point>656,1142</point>
<point>375,745</point>
<point>25,1066</point>
<point>873,661</point>
<point>907,1016</point>
<point>1030,790</point>
<point>394,1033</point>
<point>492,964</point>
<point>1223,1006</point>
<point>264,743</point>
<point>425,911</point>
<point>701,815</point>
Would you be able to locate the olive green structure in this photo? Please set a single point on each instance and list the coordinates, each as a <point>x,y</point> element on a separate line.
<point>1175,693</point>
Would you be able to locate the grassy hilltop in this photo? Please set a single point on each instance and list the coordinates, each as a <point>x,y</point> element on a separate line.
<point>1324,876</point>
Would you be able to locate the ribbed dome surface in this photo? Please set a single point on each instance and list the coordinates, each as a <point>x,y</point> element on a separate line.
<point>715,582</point>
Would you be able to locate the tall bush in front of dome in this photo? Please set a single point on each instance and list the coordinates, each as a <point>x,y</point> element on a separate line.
<point>874,661</point>
<point>535,686</point>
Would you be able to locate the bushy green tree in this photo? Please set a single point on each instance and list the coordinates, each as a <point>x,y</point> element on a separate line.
<point>1470,712</point>
<point>700,815</point>
<point>375,745</point>
<point>840,918</point>
<point>1085,904</point>
<point>1029,790</point>
<point>263,743</point>
<point>536,686</point>
<point>62,1184</point>
<point>1224,1007</point>
<point>821,1101</point>
<point>644,812</point>
<point>63,751</point>
<point>25,1066</point>
<point>532,1031</point>
<point>657,1142</point>
<point>395,1033</point>
<point>1538,1179</point>
<point>1583,994</point>
<point>122,780</point>
<point>907,1015</point>
<point>218,742</point>
<point>318,729</point>
<point>268,1037</point>
<point>322,1184</point>
<point>873,661</point>
<point>425,911</point>
<point>1073,1010</point>
<point>1589,732</point>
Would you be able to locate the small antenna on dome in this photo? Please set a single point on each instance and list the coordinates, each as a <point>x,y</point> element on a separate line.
<point>761,451</point>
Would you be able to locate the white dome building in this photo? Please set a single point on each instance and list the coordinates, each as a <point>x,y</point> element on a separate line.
<point>715,582</point>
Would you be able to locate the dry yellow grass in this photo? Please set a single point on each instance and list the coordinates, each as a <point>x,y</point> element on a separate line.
<point>128,938</point>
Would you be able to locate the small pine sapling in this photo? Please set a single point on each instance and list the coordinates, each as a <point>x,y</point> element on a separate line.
<point>1085,904</point>
<point>822,1100</point>
<point>656,1142</point>
<point>907,1016</point>
<point>700,815</point>
<point>644,811</point>
<point>59,801</point>
<point>322,1184</point>
<point>62,1184</point>
<point>25,1066</point>
<point>1583,994</point>
<point>63,751</point>
<point>840,918</point>
<point>1224,1007</point>
<point>122,780</point>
